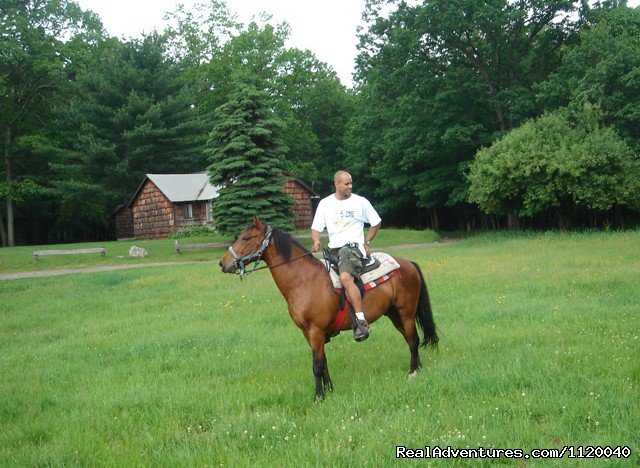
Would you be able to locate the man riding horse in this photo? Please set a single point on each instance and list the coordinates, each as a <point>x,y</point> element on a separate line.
<point>344,214</point>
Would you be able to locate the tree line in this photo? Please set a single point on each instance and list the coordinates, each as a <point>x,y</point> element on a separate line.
<point>465,114</point>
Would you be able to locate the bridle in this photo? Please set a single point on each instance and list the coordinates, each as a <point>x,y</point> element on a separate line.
<point>241,261</point>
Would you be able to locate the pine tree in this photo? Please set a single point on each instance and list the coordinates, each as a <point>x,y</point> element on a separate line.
<point>247,160</point>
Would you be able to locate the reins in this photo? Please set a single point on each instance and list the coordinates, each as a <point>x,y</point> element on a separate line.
<point>279,264</point>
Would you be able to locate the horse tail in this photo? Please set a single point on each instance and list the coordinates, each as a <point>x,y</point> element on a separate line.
<point>424,314</point>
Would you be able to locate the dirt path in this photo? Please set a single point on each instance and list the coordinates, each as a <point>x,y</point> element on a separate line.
<point>443,242</point>
<point>75,271</point>
<point>98,269</point>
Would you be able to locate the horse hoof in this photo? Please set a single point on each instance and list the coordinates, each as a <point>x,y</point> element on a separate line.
<point>318,398</point>
<point>413,375</point>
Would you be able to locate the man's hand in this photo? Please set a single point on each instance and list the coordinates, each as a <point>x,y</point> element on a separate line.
<point>367,249</point>
<point>315,235</point>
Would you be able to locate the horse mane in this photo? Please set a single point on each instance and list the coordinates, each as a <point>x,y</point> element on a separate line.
<point>283,241</point>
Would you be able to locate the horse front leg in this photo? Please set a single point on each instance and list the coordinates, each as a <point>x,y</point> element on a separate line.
<point>326,378</point>
<point>320,372</point>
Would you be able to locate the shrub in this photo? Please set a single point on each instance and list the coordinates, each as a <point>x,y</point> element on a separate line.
<point>558,161</point>
<point>192,231</point>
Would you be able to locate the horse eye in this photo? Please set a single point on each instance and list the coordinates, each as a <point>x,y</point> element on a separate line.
<point>245,238</point>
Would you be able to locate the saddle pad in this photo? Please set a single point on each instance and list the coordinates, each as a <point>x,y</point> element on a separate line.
<point>387,264</point>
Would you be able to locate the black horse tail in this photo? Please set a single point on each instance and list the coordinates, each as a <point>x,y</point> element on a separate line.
<point>424,315</point>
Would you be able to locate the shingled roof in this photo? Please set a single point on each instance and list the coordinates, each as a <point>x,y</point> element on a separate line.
<point>182,187</point>
<point>185,187</point>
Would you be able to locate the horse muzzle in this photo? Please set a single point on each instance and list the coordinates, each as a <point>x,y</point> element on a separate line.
<point>228,266</point>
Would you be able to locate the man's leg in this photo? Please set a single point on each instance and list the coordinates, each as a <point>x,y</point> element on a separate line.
<point>350,265</point>
<point>352,292</point>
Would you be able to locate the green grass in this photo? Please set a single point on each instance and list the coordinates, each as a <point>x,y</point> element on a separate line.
<point>182,365</point>
<point>19,259</point>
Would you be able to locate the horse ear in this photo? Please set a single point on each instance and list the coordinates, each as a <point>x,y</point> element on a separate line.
<point>256,221</point>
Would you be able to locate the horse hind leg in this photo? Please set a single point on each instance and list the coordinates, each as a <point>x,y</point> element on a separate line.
<point>415,363</point>
<point>408,330</point>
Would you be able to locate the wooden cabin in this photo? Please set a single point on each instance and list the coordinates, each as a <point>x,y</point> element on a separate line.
<point>165,203</point>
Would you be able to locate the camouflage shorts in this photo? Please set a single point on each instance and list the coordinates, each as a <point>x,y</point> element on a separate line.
<point>349,260</point>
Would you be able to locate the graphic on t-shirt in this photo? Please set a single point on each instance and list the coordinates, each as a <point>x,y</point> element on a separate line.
<point>343,218</point>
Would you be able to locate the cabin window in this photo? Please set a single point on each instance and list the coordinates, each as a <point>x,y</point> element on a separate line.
<point>209,212</point>
<point>188,210</point>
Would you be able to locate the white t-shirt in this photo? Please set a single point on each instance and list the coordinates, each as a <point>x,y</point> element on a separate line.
<point>344,219</point>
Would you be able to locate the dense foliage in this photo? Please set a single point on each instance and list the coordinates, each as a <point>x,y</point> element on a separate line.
<point>83,116</point>
<point>439,80</point>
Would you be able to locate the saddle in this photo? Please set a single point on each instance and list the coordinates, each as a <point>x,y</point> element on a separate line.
<point>368,264</point>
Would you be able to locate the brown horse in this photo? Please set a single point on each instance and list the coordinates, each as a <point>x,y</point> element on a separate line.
<point>305,284</point>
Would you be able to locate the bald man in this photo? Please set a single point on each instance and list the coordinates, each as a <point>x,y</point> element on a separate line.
<point>344,214</point>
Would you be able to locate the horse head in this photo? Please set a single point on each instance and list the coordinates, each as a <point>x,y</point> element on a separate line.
<point>248,247</point>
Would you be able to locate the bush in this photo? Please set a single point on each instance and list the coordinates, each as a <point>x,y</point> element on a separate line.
<point>557,162</point>
<point>192,231</point>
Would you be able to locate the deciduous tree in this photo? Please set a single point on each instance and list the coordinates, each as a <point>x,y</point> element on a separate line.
<point>603,67</point>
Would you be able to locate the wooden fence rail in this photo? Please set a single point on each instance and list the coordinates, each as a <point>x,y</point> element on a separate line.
<point>39,253</point>
<point>206,245</point>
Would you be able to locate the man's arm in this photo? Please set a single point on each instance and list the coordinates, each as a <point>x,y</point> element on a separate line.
<point>373,230</point>
<point>315,235</point>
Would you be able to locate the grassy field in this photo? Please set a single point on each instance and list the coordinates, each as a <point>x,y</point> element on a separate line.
<point>185,366</point>
<point>16,259</point>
